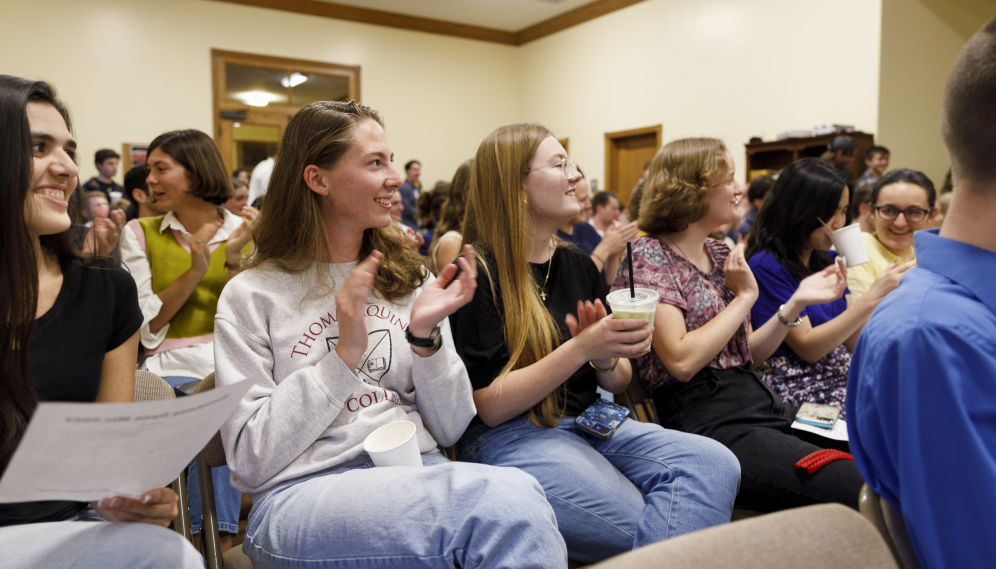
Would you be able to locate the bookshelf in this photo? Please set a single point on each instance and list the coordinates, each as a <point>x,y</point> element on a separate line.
<point>777,154</point>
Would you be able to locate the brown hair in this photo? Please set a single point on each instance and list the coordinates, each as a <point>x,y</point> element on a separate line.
<point>456,201</point>
<point>677,191</point>
<point>201,160</point>
<point>295,235</point>
<point>495,221</point>
<point>969,125</point>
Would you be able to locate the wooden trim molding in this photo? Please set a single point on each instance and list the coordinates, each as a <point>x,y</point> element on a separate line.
<point>346,12</point>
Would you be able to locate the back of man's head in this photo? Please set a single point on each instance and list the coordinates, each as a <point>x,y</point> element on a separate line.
<point>103,154</point>
<point>759,188</point>
<point>970,108</point>
<point>135,178</point>
<point>842,143</point>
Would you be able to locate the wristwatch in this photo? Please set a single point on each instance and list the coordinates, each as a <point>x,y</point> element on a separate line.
<point>434,340</point>
<point>785,321</point>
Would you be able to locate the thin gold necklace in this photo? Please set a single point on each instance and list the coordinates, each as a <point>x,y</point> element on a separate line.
<point>553,250</point>
<point>687,258</point>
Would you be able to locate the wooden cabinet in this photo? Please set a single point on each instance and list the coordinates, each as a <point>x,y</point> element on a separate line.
<point>778,154</point>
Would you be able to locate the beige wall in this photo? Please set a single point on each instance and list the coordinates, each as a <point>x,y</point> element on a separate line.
<point>920,41</point>
<point>131,69</point>
<point>729,69</point>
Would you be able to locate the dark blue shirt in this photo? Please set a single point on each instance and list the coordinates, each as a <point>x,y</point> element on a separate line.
<point>585,237</point>
<point>921,402</point>
<point>409,198</point>
<point>775,286</point>
<point>745,225</point>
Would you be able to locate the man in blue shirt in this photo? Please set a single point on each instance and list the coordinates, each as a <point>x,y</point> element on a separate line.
<point>409,193</point>
<point>921,402</point>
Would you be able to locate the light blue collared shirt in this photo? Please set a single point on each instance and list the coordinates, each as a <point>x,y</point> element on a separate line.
<point>921,402</point>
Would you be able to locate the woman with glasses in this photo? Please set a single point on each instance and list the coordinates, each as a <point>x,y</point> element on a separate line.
<point>903,202</point>
<point>537,343</point>
<point>790,241</point>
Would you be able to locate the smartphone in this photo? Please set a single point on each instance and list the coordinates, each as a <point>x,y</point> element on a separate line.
<point>602,418</point>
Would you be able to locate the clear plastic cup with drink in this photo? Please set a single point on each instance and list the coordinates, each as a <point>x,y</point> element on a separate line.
<point>642,304</point>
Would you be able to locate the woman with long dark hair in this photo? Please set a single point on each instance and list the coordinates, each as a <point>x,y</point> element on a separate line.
<point>68,332</point>
<point>181,261</point>
<point>791,241</point>
<point>538,343</point>
<point>446,239</point>
<point>705,340</point>
<point>342,330</point>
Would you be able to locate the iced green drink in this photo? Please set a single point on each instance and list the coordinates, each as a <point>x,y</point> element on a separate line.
<point>642,305</point>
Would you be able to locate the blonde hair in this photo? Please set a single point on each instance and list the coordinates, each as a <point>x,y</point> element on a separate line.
<point>495,221</point>
<point>291,229</point>
<point>677,190</point>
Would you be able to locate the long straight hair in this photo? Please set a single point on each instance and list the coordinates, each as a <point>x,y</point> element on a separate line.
<point>451,216</point>
<point>18,263</point>
<point>291,229</point>
<point>807,191</point>
<point>495,222</point>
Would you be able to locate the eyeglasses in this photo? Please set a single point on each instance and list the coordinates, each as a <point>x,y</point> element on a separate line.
<point>566,165</point>
<point>912,215</point>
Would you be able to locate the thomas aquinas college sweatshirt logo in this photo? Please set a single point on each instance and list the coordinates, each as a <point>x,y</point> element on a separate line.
<point>376,360</point>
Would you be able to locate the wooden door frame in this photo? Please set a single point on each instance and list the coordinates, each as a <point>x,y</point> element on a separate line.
<point>270,114</point>
<point>611,146</point>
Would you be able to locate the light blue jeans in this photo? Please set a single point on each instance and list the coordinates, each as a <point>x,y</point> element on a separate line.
<point>227,500</point>
<point>644,484</point>
<point>444,514</point>
<point>88,541</point>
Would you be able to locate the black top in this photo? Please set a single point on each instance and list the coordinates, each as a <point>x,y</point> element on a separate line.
<point>96,311</point>
<point>477,326</point>
<point>95,185</point>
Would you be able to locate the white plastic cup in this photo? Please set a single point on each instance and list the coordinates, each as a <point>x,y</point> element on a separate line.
<point>394,445</point>
<point>850,244</point>
<point>642,305</point>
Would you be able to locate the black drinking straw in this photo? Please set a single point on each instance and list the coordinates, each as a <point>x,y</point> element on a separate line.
<point>629,257</point>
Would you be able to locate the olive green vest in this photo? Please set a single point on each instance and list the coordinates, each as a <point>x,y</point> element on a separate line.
<point>167,261</point>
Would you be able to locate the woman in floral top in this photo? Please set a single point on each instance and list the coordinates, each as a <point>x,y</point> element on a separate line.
<point>699,371</point>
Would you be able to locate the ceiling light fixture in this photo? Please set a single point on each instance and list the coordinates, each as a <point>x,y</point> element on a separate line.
<point>294,80</point>
<point>257,98</point>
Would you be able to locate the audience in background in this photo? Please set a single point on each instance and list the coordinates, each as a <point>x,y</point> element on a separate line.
<point>240,197</point>
<point>98,205</point>
<point>104,223</point>
<point>142,202</point>
<point>903,203</point>
<point>605,211</point>
<point>840,156</point>
<point>757,191</point>
<point>397,211</point>
<point>861,207</point>
<point>876,163</point>
<point>446,241</point>
<point>790,242</point>
<point>106,161</point>
<point>375,340</point>
<point>536,342</point>
<point>921,395</point>
<point>704,345</point>
<point>259,181</point>
<point>410,191</point>
<point>430,206</point>
<point>242,175</point>
<point>68,332</point>
<point>180,262</point>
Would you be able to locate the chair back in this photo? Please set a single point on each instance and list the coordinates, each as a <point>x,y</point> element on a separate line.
<point>151,387</point>
<point>889,522</point>
<point>825,536</point>
<point>214,452</point>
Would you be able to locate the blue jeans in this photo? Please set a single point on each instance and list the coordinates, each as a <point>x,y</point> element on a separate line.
<point>444,514</point>
<point>642,485</point>
<point>113,545</point>
<point>227,500</point>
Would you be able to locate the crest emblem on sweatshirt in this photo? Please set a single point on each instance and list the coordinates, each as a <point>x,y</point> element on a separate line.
<point>376,360</point>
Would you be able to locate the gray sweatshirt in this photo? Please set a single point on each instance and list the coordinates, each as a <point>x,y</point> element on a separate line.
<point>307,412</point>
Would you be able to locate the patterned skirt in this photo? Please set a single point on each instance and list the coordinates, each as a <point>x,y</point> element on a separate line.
<point>797,381</point>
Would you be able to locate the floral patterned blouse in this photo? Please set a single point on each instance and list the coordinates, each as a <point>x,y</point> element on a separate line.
<point>700,297</point>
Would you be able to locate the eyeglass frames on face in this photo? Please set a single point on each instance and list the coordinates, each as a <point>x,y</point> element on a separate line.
<point>566,165</point>
<point>912,215</point>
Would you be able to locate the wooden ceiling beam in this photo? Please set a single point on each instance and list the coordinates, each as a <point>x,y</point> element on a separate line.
<point>579,15</point>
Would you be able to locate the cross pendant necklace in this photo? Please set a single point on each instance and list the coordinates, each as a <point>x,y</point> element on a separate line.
<point>547,279</point>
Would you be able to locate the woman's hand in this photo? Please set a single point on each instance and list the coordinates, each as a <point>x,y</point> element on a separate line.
<point>739,278</point>
<point>819,288</point>
<point>601,337</point>
<point>200,253</point>
<point>156,507</point>
<point>445,295</point>
<point>242,235</point>
<point>350,303</point>
<point>887,281</point>
<point>616,237</point>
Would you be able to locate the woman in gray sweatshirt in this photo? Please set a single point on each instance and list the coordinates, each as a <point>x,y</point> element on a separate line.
<point>342,329</point>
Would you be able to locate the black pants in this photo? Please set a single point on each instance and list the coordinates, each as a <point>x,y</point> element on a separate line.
<point>736,408</point>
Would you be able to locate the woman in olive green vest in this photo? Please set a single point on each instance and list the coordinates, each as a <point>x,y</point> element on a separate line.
<point>180,262</point>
